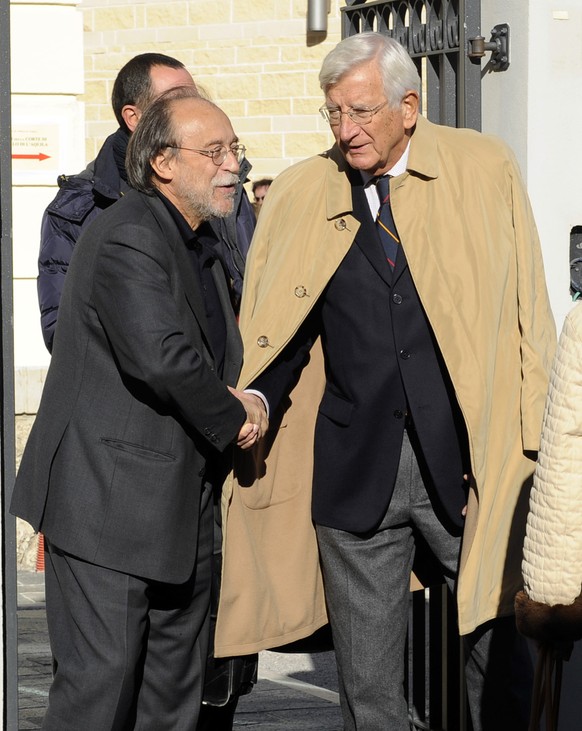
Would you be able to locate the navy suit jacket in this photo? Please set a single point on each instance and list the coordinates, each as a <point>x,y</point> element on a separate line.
<point>384,371</point>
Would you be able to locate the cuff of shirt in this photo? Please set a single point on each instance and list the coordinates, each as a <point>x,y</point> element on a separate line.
<point>261,396</point>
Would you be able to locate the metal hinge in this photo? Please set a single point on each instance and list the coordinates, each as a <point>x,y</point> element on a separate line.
<point>498,45</point>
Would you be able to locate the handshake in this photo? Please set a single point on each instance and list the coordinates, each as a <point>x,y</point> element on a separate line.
<point>256,423</point>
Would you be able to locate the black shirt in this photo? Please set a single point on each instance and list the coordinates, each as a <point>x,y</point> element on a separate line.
<point>202,245</point>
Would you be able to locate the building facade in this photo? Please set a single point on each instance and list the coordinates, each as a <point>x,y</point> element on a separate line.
<point>258,61</point>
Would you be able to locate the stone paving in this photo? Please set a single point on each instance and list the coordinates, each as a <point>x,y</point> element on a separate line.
<point>34,667</point>
<point>294,692</point>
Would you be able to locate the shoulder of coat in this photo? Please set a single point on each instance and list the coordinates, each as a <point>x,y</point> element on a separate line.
<point>308,172</point>
<point>461,144</point>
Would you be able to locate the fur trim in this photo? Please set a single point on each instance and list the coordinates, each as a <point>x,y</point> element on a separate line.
<point>560,623</point>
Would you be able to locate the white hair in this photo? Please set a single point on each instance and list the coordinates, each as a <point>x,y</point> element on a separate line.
<point>397,69</point>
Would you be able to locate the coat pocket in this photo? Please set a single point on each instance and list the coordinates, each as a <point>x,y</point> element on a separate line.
<point>336,408</point>
<point>138,450</point>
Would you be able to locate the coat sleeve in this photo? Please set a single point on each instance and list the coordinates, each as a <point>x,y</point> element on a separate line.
<point>536,320</point>
<point>552,564</point>
<point>139,299</point>
<point>62,223</point>
<point>58,238</point>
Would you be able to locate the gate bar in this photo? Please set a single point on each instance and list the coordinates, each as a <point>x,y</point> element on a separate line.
<point>7,436</point>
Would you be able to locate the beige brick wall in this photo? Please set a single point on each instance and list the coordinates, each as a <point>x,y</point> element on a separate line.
<point>253,57</point>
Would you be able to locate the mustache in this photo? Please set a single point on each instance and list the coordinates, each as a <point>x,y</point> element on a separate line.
<point>224,179</point>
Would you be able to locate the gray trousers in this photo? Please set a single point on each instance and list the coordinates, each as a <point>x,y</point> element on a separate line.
<point>129,653</point>
<point>367,580</point>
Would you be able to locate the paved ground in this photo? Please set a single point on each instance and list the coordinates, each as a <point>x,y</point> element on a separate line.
<point>294,692</point>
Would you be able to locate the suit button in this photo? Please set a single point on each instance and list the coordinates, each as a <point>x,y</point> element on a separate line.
<point>201,472</point>
<point>404,354</point>
<point>398,414</point>
<point>397,299</point>
<point>263,341</point>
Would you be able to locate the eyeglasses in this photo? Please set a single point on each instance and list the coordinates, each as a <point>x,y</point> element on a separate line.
<point>219,154</point>
<point>359,116</point>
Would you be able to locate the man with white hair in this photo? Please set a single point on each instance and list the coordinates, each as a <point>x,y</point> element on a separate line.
<point>405,262</point>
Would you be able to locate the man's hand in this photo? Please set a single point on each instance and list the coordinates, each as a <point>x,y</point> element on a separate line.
<point>256,424</point>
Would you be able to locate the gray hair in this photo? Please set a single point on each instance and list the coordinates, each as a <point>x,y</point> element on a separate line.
<point>155,132</point>
<point>397,69</point>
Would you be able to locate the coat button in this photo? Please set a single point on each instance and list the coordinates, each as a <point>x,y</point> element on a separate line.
<point>341,225</point>
<point>404,354</point>
<point>263,341</point>
<point>398,414</point>
<point>397,299</point>
<point>300,291</point>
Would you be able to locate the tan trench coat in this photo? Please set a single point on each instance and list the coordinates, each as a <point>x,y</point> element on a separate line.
<point>471,244</point>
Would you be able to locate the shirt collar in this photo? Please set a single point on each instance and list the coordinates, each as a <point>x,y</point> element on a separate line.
<point>397,169</point>
<point>203,236</point>
<point>183,226</point>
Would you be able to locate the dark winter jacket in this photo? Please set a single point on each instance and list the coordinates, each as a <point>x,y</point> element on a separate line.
<point>80,198</point>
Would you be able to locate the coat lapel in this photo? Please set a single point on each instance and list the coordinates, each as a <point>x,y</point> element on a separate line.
<point>191,286</point>
<point>423,164</point>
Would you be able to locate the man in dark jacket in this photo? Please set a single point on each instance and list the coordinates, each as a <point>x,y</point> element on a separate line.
<point>84,196</point>
<point>136,423</point>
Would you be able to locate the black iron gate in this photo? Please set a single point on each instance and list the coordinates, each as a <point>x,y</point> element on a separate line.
<point>7,467</point>
<point>439,35</point>
<point>436,34</point>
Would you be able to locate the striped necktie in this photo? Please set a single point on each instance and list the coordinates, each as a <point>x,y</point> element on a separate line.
<point>385,222</point>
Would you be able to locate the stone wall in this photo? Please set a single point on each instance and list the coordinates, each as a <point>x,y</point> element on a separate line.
<point>253,57</point>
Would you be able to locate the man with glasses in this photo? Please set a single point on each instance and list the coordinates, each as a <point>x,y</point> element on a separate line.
<point>84,196</point>
<point>135,430</point>
<point>405,262</point>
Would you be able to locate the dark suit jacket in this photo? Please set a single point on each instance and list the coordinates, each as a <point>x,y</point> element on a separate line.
<point>383,370</point>
<point>133,412</point>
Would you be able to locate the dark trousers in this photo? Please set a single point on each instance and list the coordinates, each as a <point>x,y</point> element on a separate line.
<point>367,579</point>
<point>129,653</point>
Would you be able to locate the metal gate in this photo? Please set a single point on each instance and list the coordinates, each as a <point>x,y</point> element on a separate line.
<point>435,34</point>
<point>442,37</point>
<point>7,468</point>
